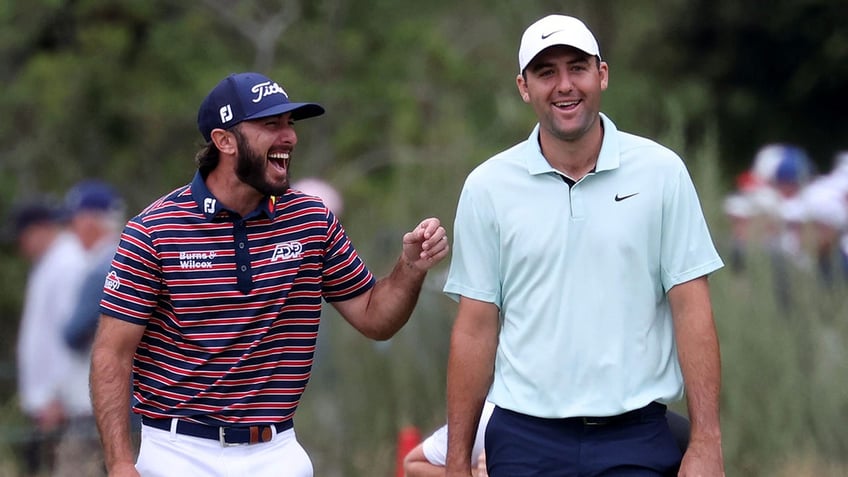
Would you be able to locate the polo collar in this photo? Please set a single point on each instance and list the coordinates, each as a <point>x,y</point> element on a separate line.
<point>210,206</point>
<point>608,158</point>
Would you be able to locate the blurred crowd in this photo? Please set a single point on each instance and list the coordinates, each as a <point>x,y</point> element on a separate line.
<point>69,244</point>
<point>798,215</point>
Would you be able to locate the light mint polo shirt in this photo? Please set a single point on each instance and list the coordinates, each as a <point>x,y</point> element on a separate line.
<point>580,274</point>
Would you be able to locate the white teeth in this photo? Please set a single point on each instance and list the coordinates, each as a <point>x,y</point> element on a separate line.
<point>279,155</point>
<point>565,104</point>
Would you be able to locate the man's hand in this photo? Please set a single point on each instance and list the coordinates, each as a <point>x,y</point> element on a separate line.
<point>702,459</point>
<point>480,470</point>
<point>51,417</point>
<point>124,470</point>
<point>426,245</point>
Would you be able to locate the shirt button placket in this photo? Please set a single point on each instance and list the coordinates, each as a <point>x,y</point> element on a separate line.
<point>242,252</point>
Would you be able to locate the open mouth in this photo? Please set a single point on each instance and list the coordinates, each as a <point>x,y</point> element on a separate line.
<point>566,105</point>
<point>279,160</point>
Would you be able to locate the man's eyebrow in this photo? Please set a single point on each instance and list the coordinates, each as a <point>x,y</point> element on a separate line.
<point>539,65</point>
<point>548,63</point>
<point>579,59</point>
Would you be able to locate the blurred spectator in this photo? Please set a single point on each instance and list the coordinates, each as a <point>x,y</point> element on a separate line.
<point>96,213</point>
<point>769,196</point>
<point>793,173</point>
<point>741,209</point>
<point>323,190</point>
<point>57,260</point>
<point>427,459</point>
<point>97,216</point>
<point>827,210</point>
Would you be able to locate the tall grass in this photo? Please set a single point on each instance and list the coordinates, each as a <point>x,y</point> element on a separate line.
<point>785,394</point>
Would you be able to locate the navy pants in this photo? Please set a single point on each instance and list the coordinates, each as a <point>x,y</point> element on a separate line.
<point>635,444</point>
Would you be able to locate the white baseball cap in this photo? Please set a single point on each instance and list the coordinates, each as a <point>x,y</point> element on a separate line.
<point>555,30</point>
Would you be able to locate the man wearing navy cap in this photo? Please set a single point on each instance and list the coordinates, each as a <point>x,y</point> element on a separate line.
<point>580,264</point>
<point>96,212</point>
<point>213,300</point>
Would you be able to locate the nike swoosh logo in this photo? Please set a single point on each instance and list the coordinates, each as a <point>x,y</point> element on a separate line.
<point>545,37</point>
<point>619,198</point>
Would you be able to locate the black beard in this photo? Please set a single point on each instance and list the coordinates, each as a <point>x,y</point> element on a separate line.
<point>251,167</point>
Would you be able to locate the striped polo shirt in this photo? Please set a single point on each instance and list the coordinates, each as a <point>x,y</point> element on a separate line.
<point>231,304</point>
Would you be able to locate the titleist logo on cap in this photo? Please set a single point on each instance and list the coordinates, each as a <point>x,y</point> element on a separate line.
<point>265,89</point>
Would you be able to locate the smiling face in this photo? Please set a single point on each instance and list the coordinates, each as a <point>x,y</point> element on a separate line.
<point>264,153</point>
<point>564,85</point>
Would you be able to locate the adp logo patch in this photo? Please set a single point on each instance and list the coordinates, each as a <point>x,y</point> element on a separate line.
<point>287,251</point>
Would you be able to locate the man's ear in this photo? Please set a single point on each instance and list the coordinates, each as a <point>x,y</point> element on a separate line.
<point>224,140</point>
<point>521,83</point>
<point>604,71</point>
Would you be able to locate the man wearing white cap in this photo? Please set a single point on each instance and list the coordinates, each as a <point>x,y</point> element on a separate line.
<point>580,264</point>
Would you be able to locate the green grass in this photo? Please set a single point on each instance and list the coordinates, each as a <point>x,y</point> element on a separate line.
<point>785,395</point>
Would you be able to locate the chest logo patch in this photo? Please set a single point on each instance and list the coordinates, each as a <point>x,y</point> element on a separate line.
<point>619,198</point>
<point>287,251</point>
<point>196,260</point>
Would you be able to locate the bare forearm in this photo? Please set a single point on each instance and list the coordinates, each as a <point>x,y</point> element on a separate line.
<point>466,396</point>
<point>424,469</point>
<point>700,362</point>
<point>111,364</point>
<point>383,310</point>
<point>110,394</point>
<point>470,370</point>
<point>393,299</point>
<point>698,352</point>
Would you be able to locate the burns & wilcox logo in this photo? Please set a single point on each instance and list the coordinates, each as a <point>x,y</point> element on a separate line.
<point>196,260</point>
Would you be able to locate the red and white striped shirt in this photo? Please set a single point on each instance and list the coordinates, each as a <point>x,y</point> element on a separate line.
<point>231,305</point>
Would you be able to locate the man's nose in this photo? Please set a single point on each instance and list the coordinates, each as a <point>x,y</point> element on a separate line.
<point>565,84</point>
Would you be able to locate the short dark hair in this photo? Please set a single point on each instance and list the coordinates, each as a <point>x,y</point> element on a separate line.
<point>207,158</point>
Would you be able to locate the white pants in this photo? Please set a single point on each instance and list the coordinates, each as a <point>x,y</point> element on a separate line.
<point>167,454</point>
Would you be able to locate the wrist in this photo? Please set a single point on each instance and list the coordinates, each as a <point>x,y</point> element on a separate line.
<point>410,267</point>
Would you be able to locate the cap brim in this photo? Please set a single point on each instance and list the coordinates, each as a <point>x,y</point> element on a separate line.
<point>299,111</point>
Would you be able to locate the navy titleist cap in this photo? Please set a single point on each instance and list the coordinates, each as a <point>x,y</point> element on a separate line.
<point>244,96</point>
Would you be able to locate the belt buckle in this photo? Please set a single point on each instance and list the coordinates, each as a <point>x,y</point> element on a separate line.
<point>222,432</point>
<point>593,421</point>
